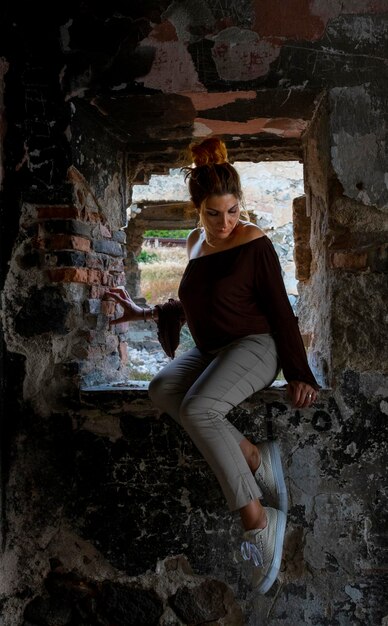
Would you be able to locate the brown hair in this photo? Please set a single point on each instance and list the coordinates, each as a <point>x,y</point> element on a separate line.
<point>212,173</point>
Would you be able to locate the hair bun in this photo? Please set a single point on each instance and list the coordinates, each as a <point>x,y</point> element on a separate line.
<point>211,151</point>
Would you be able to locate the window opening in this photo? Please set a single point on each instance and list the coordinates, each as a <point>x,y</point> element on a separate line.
<point>269,189</point>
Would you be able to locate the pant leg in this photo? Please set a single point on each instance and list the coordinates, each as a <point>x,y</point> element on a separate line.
<point>236,371</point>
<point>169,386</point>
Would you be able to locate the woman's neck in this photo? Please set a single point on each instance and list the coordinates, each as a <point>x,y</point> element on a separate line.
<point>217,243</point>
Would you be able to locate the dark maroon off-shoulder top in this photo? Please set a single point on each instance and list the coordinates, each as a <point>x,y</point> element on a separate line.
<point>237,292</point>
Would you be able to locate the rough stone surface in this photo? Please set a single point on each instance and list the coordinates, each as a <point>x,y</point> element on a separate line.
<point>359,131</point>
<point>302,232</point>
<point>90,100</point>
<point>45,311</point>
<point>111,504</point>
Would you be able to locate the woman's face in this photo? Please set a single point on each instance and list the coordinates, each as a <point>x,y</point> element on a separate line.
<point>219,215</point>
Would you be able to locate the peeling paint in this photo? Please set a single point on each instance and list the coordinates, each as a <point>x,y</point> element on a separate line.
<point>164,32</point>
<point>188,17</point>
<point>201,130</point>
<point>172,70</point>
<point>306,19</point>
<point>281,127</point>
<point>203,101</point>
<point>241,55</point>
<point>293,19</point>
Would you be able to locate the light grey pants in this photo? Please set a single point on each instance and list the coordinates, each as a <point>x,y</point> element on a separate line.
<point>198,389</point>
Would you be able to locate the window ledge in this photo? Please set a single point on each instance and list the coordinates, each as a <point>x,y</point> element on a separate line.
<point>142,385</point>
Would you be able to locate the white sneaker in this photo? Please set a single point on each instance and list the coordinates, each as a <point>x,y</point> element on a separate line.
<point>269,476</point>
<point>264,547</point>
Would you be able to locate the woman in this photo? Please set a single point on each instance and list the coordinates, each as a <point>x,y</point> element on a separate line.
<point>233,299</point>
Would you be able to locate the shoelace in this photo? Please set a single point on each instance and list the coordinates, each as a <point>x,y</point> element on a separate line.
<point>250,551</point>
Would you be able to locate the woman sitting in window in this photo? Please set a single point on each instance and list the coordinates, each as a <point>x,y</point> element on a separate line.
<point>233,298</point>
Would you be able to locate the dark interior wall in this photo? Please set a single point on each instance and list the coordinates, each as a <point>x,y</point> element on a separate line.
<point>115,91</point>
<point>100,157</point>
<point>92,98</point>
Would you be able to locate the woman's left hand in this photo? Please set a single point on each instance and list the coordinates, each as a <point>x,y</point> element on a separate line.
<point>302,395</point>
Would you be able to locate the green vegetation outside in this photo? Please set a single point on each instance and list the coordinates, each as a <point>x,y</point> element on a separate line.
<point>167,234</point>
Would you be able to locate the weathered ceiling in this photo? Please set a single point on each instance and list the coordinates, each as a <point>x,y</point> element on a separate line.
<point>250,71</point>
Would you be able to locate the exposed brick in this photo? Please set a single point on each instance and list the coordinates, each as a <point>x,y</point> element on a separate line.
<point>31,259</point>
<point>62,242</point>
<point>349,260</point>
<point>69,227</point>
<point>302,256</point>
<point>97,291</point>
<point>70,258</point>
<point>378,258</point>
<point>108,307</point>
<point>58,211</point>
<point>123,352</point>
<point>74,275</point>
<point>302,249</point>
<point>108,247</point>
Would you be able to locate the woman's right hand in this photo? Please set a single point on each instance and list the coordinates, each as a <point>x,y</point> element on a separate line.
<point>131,311</point>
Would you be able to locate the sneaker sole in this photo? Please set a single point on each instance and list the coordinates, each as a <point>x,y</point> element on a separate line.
<point>270,577</point>
<point>274,453</point>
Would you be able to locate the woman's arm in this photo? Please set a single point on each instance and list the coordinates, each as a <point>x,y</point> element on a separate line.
<point>132,312</point>
<point>284,326</point>
<point>169,317</point>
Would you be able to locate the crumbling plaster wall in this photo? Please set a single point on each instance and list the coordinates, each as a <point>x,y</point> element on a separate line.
<point>116,489</point>
<point>358,228</point>
<point>348,241</point>
<point>123,83</point>
<point>72,478</point>
<point>66,255</point>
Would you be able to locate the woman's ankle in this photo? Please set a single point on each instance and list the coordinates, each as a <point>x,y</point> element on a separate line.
<point>253,516</point>
<point>251,454</point>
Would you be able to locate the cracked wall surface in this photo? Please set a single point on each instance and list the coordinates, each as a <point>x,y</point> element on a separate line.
<point>118,489</point>
<point>93,100</point>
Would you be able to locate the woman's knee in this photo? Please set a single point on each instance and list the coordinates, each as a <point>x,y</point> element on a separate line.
<point>195,409</point>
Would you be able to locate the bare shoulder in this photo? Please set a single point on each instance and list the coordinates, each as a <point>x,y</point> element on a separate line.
<point>192,239</point>
<point>249,232</point>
